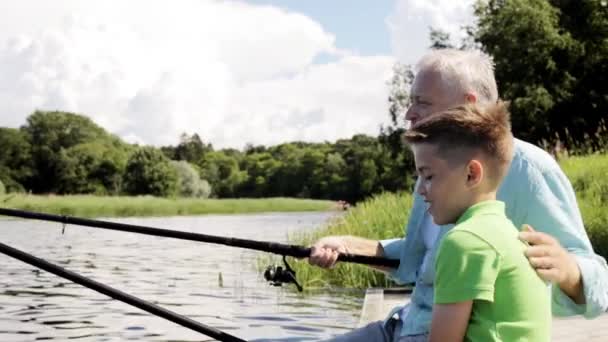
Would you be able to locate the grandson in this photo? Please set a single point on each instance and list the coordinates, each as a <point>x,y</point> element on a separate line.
<point>485,288</point>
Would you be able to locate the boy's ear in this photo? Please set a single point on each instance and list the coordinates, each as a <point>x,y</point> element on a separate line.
<point>474,173</point>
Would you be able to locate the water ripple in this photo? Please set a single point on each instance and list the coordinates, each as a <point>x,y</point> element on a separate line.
<point>179,275</point>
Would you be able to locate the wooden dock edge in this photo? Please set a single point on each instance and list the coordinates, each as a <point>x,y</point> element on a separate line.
<point>379,302</point>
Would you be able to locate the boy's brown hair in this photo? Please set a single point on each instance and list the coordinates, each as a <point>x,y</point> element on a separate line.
<point>462,131</point>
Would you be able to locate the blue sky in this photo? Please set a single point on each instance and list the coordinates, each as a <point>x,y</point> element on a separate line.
<point>359,25</point>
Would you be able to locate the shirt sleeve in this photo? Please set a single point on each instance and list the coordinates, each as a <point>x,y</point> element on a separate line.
<point>466,269</point>
<point>409,250</point>
<point>393,250</point>
<point>552,208</point>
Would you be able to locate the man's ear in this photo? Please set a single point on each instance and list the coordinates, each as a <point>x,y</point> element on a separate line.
<point>474,173</point>
<point>470,98</point>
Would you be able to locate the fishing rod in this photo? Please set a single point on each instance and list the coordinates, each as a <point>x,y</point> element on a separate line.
<point>276,275</point>
<point>118,295</point>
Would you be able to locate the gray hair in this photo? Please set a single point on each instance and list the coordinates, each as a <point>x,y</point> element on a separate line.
<point>469,70</point>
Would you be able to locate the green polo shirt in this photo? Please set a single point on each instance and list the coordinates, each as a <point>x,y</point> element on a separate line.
<point>481,259</point>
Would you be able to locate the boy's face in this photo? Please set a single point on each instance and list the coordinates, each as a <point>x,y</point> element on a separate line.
<point>443,185</point>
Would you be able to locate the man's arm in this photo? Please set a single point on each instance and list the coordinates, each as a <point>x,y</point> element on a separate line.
<point>560,248</point>
<point>450,321</point>
<point>324,253</point>
<point>554,264</point>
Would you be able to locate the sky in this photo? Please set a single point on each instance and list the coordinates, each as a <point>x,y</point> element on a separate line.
<point>259,72</point>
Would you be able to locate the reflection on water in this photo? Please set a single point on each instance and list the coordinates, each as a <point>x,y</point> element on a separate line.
<point>215,285</point>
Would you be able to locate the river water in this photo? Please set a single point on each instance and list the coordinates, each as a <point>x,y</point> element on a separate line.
<point>181,276</point>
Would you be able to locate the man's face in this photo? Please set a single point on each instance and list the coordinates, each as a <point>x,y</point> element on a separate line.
<point>429,94</point>
<point>442,185</point>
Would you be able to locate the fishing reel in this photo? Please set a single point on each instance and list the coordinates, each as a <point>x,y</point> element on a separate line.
<point>277,275</point>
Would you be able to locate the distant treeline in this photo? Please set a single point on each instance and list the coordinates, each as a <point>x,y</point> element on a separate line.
<point>65,153</point>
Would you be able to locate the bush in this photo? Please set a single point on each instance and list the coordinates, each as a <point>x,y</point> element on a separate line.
<point>190,183</point>
<point>149,172</point>
<point>2,188</point>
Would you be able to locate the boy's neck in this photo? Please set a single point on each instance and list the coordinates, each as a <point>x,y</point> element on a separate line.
<point>478,198</point>
<point>482,197</point>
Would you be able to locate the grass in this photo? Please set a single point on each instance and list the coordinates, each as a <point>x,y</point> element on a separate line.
<point>380,217</point>
<point>100,206</point>
<point>588,175</point>
<point>384,216</point>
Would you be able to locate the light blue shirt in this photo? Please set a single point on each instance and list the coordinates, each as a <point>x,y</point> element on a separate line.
<point>536,192</point>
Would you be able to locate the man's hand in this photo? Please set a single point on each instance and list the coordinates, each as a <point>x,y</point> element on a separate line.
<point>324,253</point>
<point>553,263</point>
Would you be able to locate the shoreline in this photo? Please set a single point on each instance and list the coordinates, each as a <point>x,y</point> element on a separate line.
<point>90,206</point>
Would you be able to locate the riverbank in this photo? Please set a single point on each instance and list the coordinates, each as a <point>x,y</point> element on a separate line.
<point>122,206</point>
<point>385,215</point>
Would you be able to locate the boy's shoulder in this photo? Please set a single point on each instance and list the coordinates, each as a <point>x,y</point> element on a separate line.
<point>483,231</point>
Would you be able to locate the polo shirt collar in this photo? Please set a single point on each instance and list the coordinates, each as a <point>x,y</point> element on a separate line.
<point>483,208</point>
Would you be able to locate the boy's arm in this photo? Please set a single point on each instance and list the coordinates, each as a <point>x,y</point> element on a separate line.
<point>450,321</point>
<point>466,270</point>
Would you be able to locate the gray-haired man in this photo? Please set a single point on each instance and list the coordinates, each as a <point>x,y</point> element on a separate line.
<point>536,192</point>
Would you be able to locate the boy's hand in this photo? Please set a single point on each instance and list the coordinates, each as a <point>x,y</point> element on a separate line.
<point>324,253</point>
<point>553,263</point>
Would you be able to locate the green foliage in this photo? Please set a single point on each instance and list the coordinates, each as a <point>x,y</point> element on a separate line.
<point>222,171</point>
<point>261,169</point>
<point>49,133</point>
<point>440,39</point>
<point>380,217</point>
<point>551,59</point>
<point>91,168</point>
<point>588,177</point>
<point>2,188</point>
<point>190,183</point>
<point>15,159</point>
<point>148,171</point>
<point>190,148</point>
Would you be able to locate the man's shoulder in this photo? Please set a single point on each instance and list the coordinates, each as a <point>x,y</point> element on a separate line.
<point>531,158</point>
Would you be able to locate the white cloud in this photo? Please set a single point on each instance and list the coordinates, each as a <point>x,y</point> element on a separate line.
<point>148,71</point>
<point>322,102</point>
<point>411,21</point>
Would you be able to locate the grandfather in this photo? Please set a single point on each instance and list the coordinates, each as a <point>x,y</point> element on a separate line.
<point>536,192</point>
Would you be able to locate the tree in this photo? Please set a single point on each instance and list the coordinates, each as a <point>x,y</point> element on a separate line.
<point>190,183</point>
<point>440,39</point>
<point>331,179</point>
<point>261,169</point>
<point>221,169</point>
<point>15,159</point>
<point>395,161</point>
<point>50,132</point>
<point>551,60</point>
<point>191,148</point>
<point>148,171</point>
<point>94,167</point>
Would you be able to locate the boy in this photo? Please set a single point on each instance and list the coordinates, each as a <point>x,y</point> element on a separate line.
<point>485,288</point>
